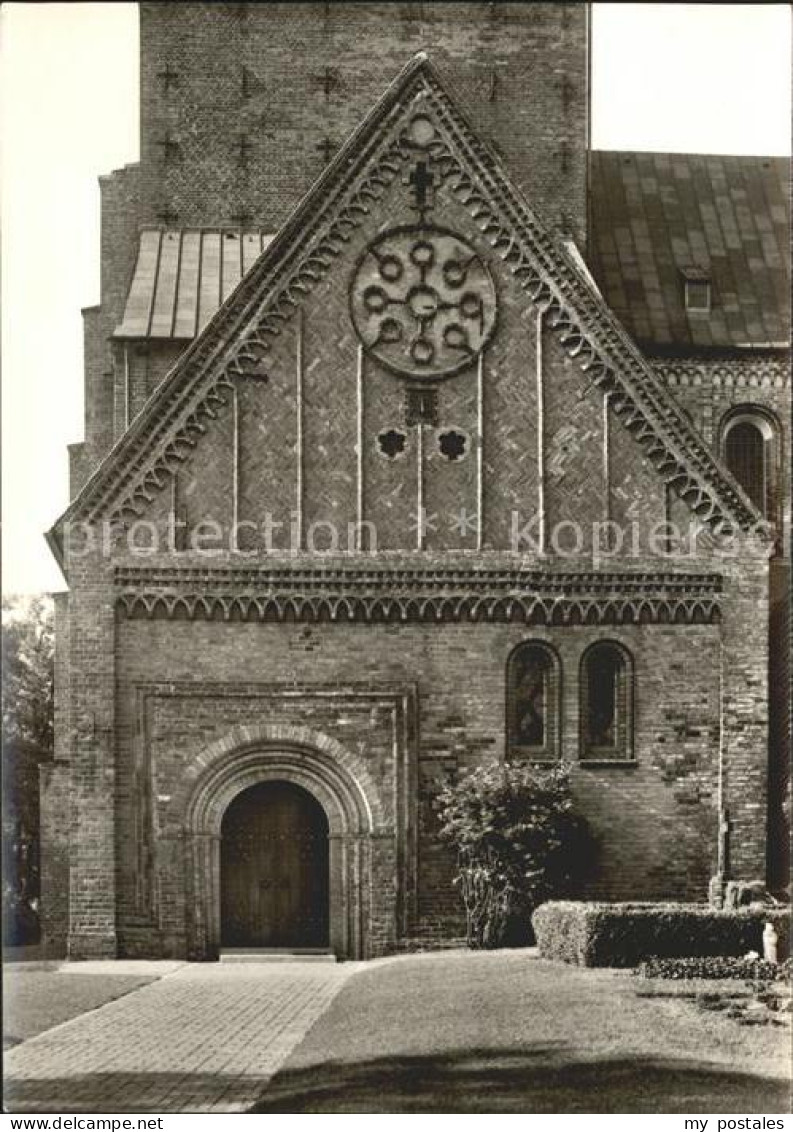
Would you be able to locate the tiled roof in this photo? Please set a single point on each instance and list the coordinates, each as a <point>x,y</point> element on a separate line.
<point>655,214</point>
<point>183,275</point>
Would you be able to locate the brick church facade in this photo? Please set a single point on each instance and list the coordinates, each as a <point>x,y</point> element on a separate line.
<point>417,435</point>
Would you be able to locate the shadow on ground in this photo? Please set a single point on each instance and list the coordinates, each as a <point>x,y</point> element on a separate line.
<point>470,1081</point>
<point>541,1080</point>
<point>127,1091</point>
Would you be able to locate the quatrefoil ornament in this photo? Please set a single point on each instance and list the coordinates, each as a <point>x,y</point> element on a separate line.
<point>423,302</point>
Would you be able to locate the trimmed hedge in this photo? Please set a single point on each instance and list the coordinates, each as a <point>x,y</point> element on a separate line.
<point>757,970</point>
<point>622,935</point>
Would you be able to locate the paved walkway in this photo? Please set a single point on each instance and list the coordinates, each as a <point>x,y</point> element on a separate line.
<point>447,1032</point>
<point>204,1038</point>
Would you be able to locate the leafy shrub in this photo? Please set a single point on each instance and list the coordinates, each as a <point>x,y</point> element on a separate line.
<point>622,935</point>
<point>715,967</point>
<point>518,841</point>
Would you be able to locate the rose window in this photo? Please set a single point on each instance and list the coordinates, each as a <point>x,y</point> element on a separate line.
<point>423,302</point>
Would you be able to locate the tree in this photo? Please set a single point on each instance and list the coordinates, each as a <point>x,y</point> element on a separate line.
<point>518,841</point>
<point>27,735</point>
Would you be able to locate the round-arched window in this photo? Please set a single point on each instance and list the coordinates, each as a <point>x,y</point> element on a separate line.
<point>533,702</point>
<point>748,450</point>
<point>606,702</point>
<point>744,451</point>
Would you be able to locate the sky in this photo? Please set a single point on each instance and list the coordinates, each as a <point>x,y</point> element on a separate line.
<point>705,78</point>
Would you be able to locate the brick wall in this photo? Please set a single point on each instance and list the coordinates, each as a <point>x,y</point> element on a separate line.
<point>581,486</point>
<point>140,367</point>
<point>55,798</point>
<point>700,700</point>
<point>655,818</point>
<point>91,650</point>
<point>118,246</point>
<point>54,847</point>
<point>744,714</point>
<point>779,719</point>
<point>710,390</point>
<point>289,76</point>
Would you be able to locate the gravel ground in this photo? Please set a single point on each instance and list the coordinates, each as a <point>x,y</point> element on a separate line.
<point>501,1032</point>
<point>38,996</point>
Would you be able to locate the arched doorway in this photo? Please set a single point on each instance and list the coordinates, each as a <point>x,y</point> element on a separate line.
<point>350,801</point>
<point>274,868</point>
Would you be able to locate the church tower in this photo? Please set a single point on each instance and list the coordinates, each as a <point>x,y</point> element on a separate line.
<point>242,106</point>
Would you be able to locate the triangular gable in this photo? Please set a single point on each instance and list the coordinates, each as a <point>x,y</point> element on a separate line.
<point>236,341</point>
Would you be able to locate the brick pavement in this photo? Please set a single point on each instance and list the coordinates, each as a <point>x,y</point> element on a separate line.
<point>205,1038</point>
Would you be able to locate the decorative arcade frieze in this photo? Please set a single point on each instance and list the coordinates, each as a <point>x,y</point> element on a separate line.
<point>416,595</point>
<point>758,371</point>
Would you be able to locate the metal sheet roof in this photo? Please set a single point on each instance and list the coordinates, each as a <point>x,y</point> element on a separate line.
<point>655,216</point>
<point>182,276</point>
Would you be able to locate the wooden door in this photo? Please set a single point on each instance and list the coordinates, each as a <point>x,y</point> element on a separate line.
<point>274,869</point>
